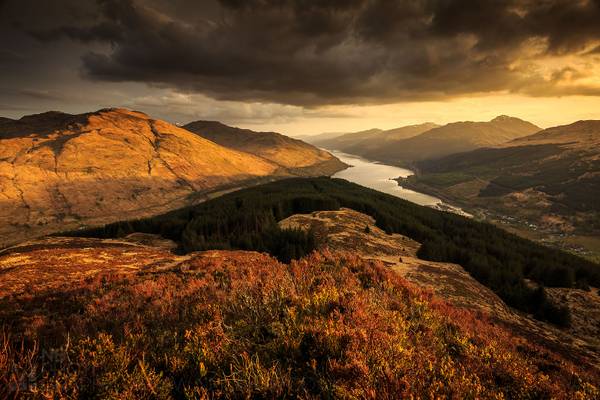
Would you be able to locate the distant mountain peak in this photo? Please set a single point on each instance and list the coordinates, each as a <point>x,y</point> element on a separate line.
<point>588,123</point>
<point>206,122</point>
<point>505,118</point>
<point>46,114</point>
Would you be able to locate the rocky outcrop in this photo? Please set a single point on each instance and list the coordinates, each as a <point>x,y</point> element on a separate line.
<point>350,231</point>
<point>347,230</point>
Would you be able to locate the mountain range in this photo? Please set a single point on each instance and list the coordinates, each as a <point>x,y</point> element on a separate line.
<point>61,171</point>
<point>405,145</point>
<point>372,140</point>
<point>540,183</point>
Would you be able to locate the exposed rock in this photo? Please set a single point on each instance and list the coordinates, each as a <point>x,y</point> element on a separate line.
<point>344,230</point>
<point>585,311</point>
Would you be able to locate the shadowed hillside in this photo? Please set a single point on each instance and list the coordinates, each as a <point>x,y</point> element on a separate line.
<point>370,140</point>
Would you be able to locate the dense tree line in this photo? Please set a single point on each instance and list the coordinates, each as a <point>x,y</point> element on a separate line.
<point>247,220</point>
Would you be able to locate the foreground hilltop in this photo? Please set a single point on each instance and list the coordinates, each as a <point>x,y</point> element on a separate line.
<point>550,179</point>
<point>247,219</point>
<point>143,323</point>
<point>296,155</point>
<point>60,171</point>
<point>346,230</point>
<point>123,316</point>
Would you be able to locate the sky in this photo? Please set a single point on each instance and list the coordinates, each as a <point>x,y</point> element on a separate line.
<point>301,66</point>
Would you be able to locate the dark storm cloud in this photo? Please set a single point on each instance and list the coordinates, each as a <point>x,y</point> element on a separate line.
<point>323,52</point>
<point>10,57</point>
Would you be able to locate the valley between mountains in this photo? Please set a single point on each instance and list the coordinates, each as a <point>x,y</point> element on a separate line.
<point>542,184</point>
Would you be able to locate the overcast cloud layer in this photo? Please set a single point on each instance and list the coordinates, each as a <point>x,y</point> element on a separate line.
<point>313,53</point>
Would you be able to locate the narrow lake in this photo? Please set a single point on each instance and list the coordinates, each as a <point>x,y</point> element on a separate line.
<point>380,177</point>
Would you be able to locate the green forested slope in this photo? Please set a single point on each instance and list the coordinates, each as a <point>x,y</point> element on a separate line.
<point>247,219</point>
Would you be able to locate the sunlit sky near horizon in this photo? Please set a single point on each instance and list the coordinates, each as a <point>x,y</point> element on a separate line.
<point>304,67</point>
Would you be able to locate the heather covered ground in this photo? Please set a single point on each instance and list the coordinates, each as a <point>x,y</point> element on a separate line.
<point>234,324</point>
